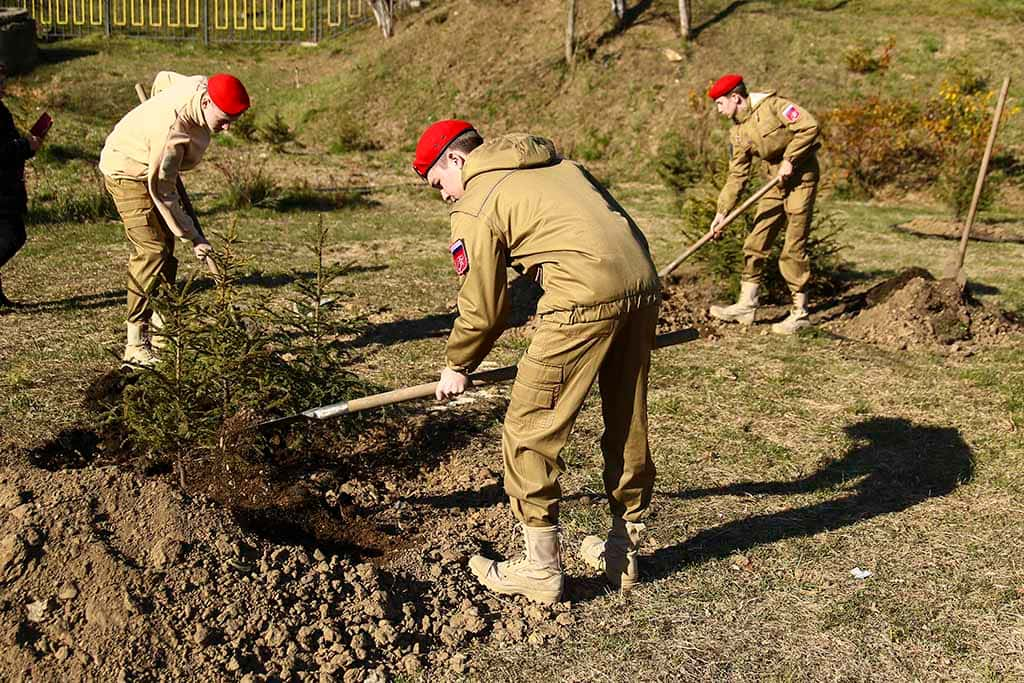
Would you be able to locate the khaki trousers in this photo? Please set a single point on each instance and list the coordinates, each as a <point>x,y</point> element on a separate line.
<point>791,204</point>
<point>151,261</point>
<point>554,377</point>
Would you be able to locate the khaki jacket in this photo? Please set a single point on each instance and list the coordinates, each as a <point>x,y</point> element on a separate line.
<point>526,208</point>
<point>774,129</point>
<point>159,138</point>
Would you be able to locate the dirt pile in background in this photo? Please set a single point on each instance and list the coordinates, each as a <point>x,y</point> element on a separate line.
<point>915,311</point>
<point>108,576</point>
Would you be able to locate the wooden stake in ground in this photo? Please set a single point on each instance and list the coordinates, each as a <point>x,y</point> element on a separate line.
<point>955,268</point>
<point>710,235</point>
<point>186,203</point>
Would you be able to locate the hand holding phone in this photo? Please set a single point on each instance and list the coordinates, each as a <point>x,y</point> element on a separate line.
<point>42,126</point>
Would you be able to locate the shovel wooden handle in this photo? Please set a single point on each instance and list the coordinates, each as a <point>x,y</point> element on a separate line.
<point>186,203</point>
<point>980,182</point>
<point>733,215</point>
<point>427,389</point>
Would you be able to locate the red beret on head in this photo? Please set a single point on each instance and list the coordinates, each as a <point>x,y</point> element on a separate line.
<point>435,141</point>
<point>724,85</point>
<point>228,93</point>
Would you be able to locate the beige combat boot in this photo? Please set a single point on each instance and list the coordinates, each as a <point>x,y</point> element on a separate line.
<point>138,352</point>
<point>538,575</point>
<point>797,318</point>
<point>616,556</point>
<point>743,310</point>
<point>157,341</point>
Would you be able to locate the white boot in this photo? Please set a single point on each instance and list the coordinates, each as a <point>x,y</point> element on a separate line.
<point>538,575</point>
<point>156,340</point>
<point>743,310</point>
<point>797,319</point>
<point>616,556</point>
<point>137,352</point>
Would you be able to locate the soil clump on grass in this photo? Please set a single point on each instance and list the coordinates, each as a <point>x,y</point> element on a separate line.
<point>913,310</point>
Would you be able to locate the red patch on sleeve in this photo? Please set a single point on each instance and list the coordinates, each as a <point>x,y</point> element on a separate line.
<point>791,113</point>
<point>460,259</point>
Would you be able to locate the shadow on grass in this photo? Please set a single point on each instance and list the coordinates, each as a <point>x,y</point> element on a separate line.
<point>898,464</point>
<point>117,297</point>
<point>58,55</point>
<point>629,19</point>
<point>720,15</point>
<point>524,293</point>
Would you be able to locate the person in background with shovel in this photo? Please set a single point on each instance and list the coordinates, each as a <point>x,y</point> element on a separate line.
<point>775,130</point>
<point>15,150</point>
<point>140,162</point>
<point>516,203</point>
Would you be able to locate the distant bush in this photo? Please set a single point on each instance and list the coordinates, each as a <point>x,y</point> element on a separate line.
<point>863,60</point>
<point>875,143</point>
<point>958,122</point>
<point>276,132</point>
<point>245,128</point>
<point>593,146</point>
<point>935,144</point>
<point>349,136</point>
<point>248,184</point>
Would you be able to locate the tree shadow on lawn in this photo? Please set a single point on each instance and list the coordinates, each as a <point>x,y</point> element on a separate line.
<point>899,464</point>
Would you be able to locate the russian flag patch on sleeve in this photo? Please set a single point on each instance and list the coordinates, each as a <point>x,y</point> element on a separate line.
<point>791,113</point>
<point>460,259</point>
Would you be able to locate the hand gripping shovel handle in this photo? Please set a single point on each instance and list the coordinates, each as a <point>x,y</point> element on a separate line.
<point>186,203</point>
<point>710,235</point>
<point>427,390</point>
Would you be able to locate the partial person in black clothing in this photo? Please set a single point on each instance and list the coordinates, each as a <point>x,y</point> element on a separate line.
<point>14,150</point>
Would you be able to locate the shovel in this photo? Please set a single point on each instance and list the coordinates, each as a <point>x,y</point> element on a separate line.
<point>427,390</point>
<point>186,203</point>
<point>955,268</point>
<point>670,268</point>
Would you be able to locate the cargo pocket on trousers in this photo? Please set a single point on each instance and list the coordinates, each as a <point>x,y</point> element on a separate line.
<point>535,394</point>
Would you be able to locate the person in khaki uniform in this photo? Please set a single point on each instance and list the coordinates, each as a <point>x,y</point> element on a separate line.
<point>141,161</point>
<point>516,203</point>
<point>785,135</point>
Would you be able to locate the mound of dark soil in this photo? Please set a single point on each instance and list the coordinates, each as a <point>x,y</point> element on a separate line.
<point>915,311</point>
<point>685,301</point>
<point>108,576</point>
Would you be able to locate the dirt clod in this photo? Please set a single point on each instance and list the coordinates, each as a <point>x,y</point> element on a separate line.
<point>915,311</point>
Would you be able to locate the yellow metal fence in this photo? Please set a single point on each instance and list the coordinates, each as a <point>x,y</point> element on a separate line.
<point>206,20</point>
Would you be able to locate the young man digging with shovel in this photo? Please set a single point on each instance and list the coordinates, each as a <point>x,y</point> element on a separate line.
<point>774,129</point>
<point>141,160</point>
<point>516,203</point>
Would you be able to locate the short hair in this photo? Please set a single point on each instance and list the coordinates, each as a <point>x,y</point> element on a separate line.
<point>740,90</point>
<point>464,143</point>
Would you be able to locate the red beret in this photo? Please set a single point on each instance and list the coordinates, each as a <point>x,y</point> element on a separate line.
<point>228,93</point>
<point>435,141</point>
<point>724,85</point>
